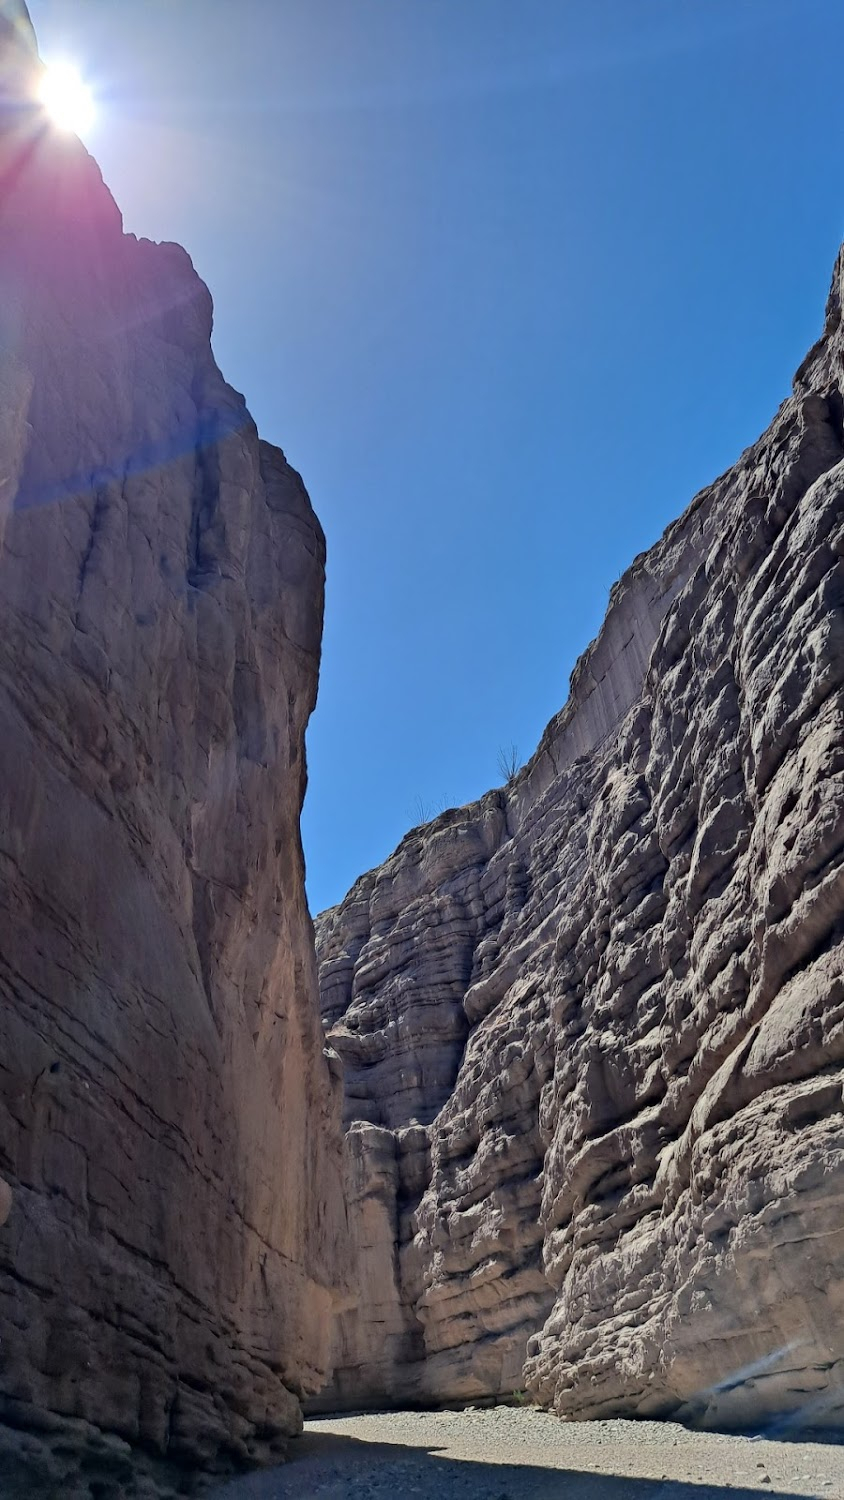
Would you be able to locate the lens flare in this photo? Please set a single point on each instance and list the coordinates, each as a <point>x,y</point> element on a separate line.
<point>67,98</point>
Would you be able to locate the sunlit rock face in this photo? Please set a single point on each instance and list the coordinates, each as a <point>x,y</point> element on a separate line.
<point>169,1131</point>
<point>592,1026</point>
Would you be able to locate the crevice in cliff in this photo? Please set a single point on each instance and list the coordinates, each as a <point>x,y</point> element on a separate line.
<point>97,525</point>
<point>249,716</point>
<point>202,567</point>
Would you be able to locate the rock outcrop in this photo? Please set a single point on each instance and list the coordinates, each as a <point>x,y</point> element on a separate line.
<point>592,1026</point>
<point>169,1129</point>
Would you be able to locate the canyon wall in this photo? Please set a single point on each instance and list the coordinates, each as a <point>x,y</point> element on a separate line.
<point>169,1129</point>
<point>592,1026</point>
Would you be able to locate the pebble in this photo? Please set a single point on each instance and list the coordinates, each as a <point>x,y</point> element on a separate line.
<point>520,1453</point>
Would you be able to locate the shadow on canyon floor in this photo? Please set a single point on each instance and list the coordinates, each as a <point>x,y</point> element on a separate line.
<point>329,1467</point>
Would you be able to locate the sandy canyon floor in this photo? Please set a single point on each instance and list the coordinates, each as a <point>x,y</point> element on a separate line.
<point>508,1453</point>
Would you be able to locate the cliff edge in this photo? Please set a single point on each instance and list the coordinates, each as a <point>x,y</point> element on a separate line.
<point>169,1132</point>
<point>592,1026</point>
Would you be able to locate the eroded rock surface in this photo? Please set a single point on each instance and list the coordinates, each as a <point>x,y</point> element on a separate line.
<point>169,1141</point>
<point>592,1026</point>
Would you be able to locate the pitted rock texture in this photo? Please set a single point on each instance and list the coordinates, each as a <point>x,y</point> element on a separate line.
<point>169,1130</point>
<point>592,1026</point>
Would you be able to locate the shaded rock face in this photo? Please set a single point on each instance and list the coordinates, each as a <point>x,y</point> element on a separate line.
<point>592,1026</point>
<point>169,1130</point>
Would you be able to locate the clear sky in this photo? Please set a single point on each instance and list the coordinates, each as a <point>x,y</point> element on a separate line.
<point>508,282</point>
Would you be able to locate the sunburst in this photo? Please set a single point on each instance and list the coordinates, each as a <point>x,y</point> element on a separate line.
<point>67,98</point>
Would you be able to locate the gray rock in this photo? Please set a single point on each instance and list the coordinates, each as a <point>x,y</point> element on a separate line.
<point>169,1130</point>
<point>612,996</point>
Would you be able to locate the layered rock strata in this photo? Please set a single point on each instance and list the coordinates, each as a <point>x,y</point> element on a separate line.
<point>592,1026</point>
<point>169,1130</point>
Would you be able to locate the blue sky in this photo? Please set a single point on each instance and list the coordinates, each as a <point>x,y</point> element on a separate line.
<point>508,283</point>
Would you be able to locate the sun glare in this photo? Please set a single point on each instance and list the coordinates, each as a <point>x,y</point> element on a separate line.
<point>67,98</point>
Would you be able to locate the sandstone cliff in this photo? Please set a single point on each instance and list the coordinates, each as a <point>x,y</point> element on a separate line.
<point>592,1026</point>
<point>169,1142</point>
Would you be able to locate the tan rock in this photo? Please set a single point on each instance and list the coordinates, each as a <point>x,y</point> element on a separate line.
<point>612,994</point>
<point>168,1123</point>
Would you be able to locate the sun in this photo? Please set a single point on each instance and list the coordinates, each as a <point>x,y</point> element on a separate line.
<point>67,98</point>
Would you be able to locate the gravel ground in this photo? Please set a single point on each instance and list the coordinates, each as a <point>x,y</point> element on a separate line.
<point>519,1453</point>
